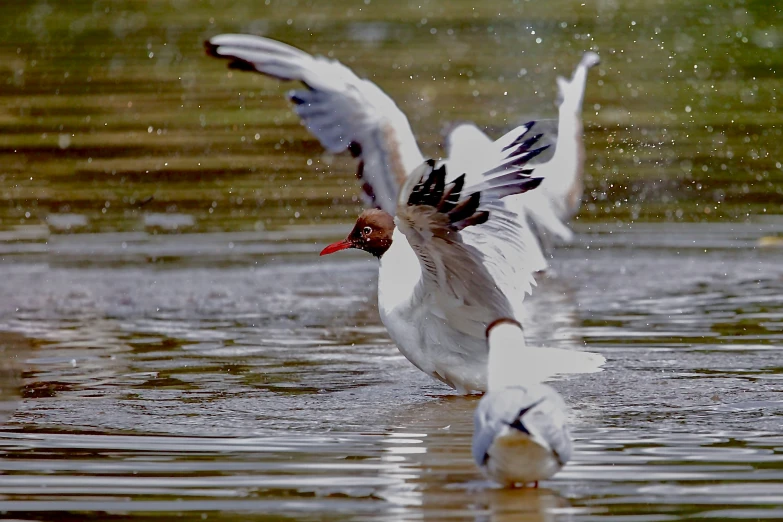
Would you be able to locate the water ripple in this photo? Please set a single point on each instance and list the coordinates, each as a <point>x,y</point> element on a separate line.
<point>274,387</point>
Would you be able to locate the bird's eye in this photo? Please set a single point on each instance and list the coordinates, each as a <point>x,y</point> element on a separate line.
<point>367,231</point>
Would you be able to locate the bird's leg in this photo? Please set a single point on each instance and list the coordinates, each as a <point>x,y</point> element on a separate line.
<point>535,484</point>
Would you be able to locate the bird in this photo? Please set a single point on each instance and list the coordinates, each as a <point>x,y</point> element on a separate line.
<point>451,261</point>
<point>437,323</point>
<point>558,199</point>
<point>520,433</point>
<point>346,112</point>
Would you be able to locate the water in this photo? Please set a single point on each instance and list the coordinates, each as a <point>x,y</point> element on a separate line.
<point>226,380</point>
<point>104,105</point>
<point>173,348</point>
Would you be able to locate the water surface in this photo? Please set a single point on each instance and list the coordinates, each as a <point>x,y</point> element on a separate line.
<point>172,346</point>
<point>232,376</point>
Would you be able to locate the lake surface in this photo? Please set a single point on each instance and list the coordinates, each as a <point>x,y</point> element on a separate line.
<point>226,380</point>
<point>173,348</point>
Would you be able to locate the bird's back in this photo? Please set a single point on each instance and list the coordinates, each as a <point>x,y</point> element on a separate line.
<point>521,434</point>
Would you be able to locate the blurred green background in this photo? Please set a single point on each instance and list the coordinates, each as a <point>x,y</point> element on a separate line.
<point>105,104</point>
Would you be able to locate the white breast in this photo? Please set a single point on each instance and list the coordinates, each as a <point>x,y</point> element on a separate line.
<point>399,275</point>
<point>400,308</point>
<point>424,337</point>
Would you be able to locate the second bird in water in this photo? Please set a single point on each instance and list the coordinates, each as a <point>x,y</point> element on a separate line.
<point>520,433</point>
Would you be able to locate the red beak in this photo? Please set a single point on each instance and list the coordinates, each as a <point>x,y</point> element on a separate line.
<point>336,247</point>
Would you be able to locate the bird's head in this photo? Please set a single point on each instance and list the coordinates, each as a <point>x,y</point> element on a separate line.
<point>372,233</point>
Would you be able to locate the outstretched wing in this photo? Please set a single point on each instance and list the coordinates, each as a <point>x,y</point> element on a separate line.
<point>561,193</point>
<point>475,153</point>
<point>511,151</point>
<point>550,207</point>
<point>340,109</point>
<point>455,230</point>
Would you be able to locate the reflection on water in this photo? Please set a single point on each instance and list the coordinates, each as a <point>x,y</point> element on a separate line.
<point>13,350</point>
<point>195,377</point>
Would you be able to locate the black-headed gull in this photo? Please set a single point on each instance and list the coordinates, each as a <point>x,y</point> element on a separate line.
<point>346,112</point>
<point>438,322</point>
<point>448,264</point>
<point>451,262</point>
<point>520,433</point>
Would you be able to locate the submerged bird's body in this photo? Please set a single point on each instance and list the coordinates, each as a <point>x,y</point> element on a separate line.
<point>520,431</point>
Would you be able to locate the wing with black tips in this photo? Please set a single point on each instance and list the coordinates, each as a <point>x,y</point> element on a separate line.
<point>340,109</point>
<point>454,230</point>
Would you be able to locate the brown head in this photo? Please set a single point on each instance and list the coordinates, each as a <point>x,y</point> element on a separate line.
<point>371,233</point>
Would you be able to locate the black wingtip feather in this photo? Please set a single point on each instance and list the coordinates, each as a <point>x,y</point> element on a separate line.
<point>526,144</point>
<point>432,190</point>
<point>241,65</point>
<point>436,190</point>
<point>429,189</point>
<point>465,208</point>
<point>528,126</point>
<point>354,147</point>
<point>535,152</point>
<point>211,49</point>
<point>451,195</point>
<point>531,183</point>
<point>519,157</point>
<point>517,186</point>
<point>482,216</point>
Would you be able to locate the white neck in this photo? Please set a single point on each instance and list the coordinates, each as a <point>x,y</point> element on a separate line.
<point>507,365</point>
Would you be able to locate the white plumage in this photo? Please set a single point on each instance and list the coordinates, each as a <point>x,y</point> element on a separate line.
<point>338,108</point>
<point>346,112</point>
